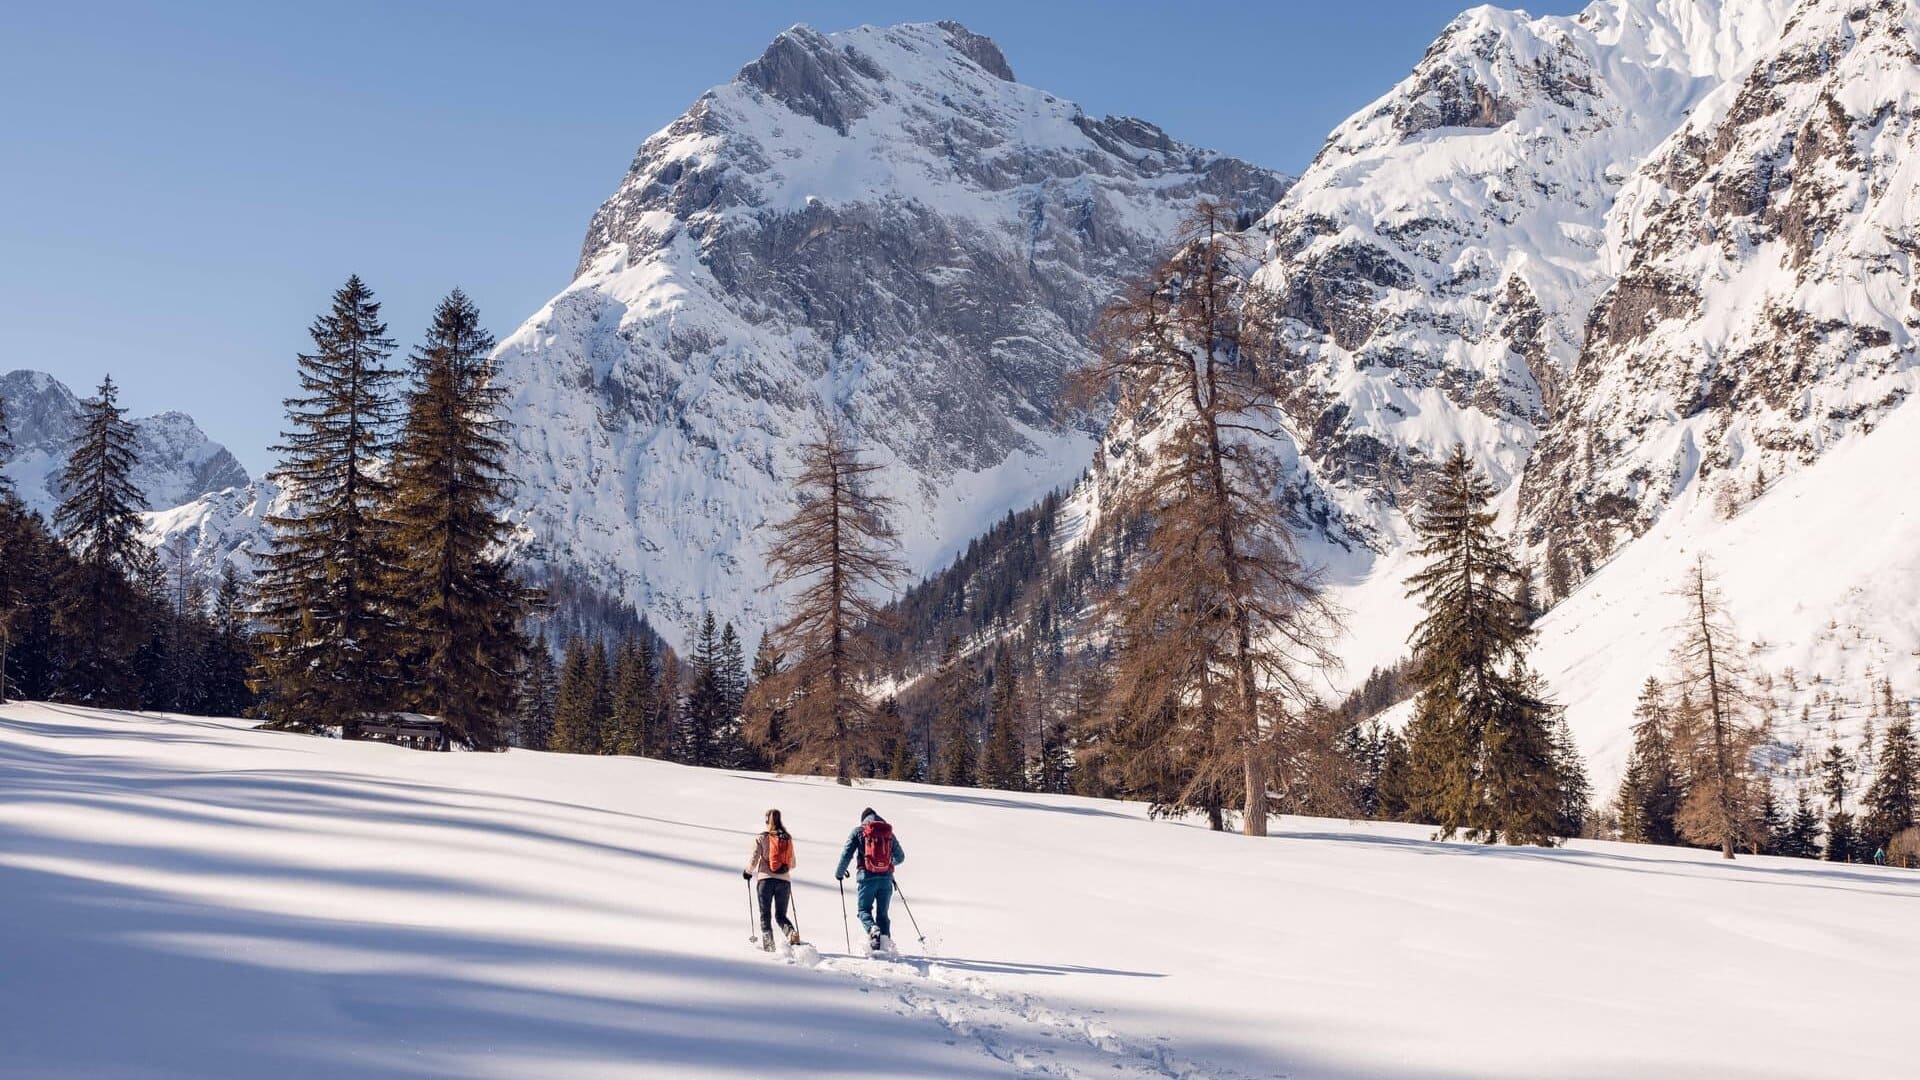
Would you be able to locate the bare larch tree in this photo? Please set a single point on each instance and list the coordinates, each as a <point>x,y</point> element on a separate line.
<point>1709,668</point>
<point>1221,625</point>
<point>839,548</point>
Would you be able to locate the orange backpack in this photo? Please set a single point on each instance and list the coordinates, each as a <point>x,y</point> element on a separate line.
<point>779,853</point>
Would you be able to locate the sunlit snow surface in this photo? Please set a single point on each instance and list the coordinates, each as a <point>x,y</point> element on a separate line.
<point>189,898</point>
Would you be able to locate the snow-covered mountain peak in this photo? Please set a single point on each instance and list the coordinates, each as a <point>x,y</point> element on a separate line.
<point>177,461</point>
<point>880,224</point>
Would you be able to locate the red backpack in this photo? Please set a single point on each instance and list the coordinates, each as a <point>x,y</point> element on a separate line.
<point>876,847</point>
<point>779,853</point>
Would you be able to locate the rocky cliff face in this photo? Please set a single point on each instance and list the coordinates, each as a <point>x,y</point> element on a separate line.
<point>177,463</point>
<point>1763,305</point>
<point>880,226</point>
<point>1438,260</point>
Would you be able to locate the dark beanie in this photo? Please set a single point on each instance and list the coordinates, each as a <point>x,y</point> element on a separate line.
<point>868,813</point>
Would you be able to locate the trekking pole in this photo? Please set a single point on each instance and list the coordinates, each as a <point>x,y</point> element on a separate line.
<point>793,897</point>
<point>843,916</point>
<point>909,907</point>
<point>753,936</point>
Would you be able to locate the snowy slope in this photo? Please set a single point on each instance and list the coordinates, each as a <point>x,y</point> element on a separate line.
<point>1438,260</point>
<point>1643,263</point>
<point>1821,575</point>
<point>879,224</point>
<point>188,898</point>
<point>177,461</point>
<point>1764,307</point>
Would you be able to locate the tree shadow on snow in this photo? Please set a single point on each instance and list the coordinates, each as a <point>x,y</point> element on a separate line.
<point>1815,875</point>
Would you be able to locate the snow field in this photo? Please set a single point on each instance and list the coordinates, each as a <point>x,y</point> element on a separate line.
<point>190,898</point>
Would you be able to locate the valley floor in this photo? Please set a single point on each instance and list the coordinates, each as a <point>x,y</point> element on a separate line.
<point>190,898</point>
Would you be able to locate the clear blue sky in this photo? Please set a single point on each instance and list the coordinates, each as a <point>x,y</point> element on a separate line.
<point>182,184</point>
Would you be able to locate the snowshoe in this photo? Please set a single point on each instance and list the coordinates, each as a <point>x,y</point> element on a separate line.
<point>793,937</point>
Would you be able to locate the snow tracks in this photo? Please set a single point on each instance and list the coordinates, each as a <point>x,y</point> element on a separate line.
<point>1017,1029</point>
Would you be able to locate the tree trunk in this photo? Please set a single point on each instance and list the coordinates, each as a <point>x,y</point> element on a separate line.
<point>1720,762</point>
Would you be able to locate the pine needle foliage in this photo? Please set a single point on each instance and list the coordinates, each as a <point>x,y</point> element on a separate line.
<point>1480,744</point>
<point>330,623</point>
<point>99,520</point>
<point>462,645</point>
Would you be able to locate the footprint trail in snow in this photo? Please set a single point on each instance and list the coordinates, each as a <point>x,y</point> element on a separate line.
<point>1015,1028</point>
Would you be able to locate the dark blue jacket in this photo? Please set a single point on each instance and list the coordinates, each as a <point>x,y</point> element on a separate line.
<point>852,851</point>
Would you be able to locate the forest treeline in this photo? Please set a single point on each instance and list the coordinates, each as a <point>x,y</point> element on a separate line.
<point>1172,652</point>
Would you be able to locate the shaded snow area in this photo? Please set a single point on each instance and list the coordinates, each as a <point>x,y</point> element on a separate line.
<point>190,898</point>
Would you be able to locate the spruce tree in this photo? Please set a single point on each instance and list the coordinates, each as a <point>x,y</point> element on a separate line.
<point>576,728</point>
<point>1393,791</point>
<point>462,643</point>
<point>1480,744</point>
<point>600,698</point>
<point>1651,793</point>
<point>538,691</point>
<point>232,650</point>
<point>99,519</point>
<point>634,676</point>
<point>1888,808</point>
<point>1053,768</point>
<point>763,713</point>
<point>329,617</point>
<point>1802,839</point>
<point>955,753</point>
<point>705,715</point>
<point>904,761</point>
<point>1004,764</point>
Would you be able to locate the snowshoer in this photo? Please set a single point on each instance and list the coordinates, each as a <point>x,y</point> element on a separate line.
<point>879,852</point>
<point>770,870</point>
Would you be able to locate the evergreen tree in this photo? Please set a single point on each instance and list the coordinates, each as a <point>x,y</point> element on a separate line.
<point>1651,793</point>
<point>956,693</point>
<point>1891,797</point>
<point>1480,742</point>
<point>1836,770</point>
<point>904,761</point>
<point>1393,791</point>
<point>1802,840</point>
<point>600,698</point>
<point>1005,762</point>
<point>328,614</point>
<point>1770,837</point>
<point>231,657</point>
<point>1842,843</point>
<point>705,715</point>
<point>763,715</point>
<point>838,550</point>
<point>635,690</point>
<point>576,727</point>
<point>1576,794</point>
<point>539,692</point>
<point>99,519</point>
<point>664,732</point>
<point>462,643</point>
<point>1053,768</point>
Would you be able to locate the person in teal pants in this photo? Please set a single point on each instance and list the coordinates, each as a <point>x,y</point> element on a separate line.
<point>878,851</point>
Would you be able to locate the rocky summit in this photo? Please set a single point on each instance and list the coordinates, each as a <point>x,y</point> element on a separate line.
<point>882,225</point>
